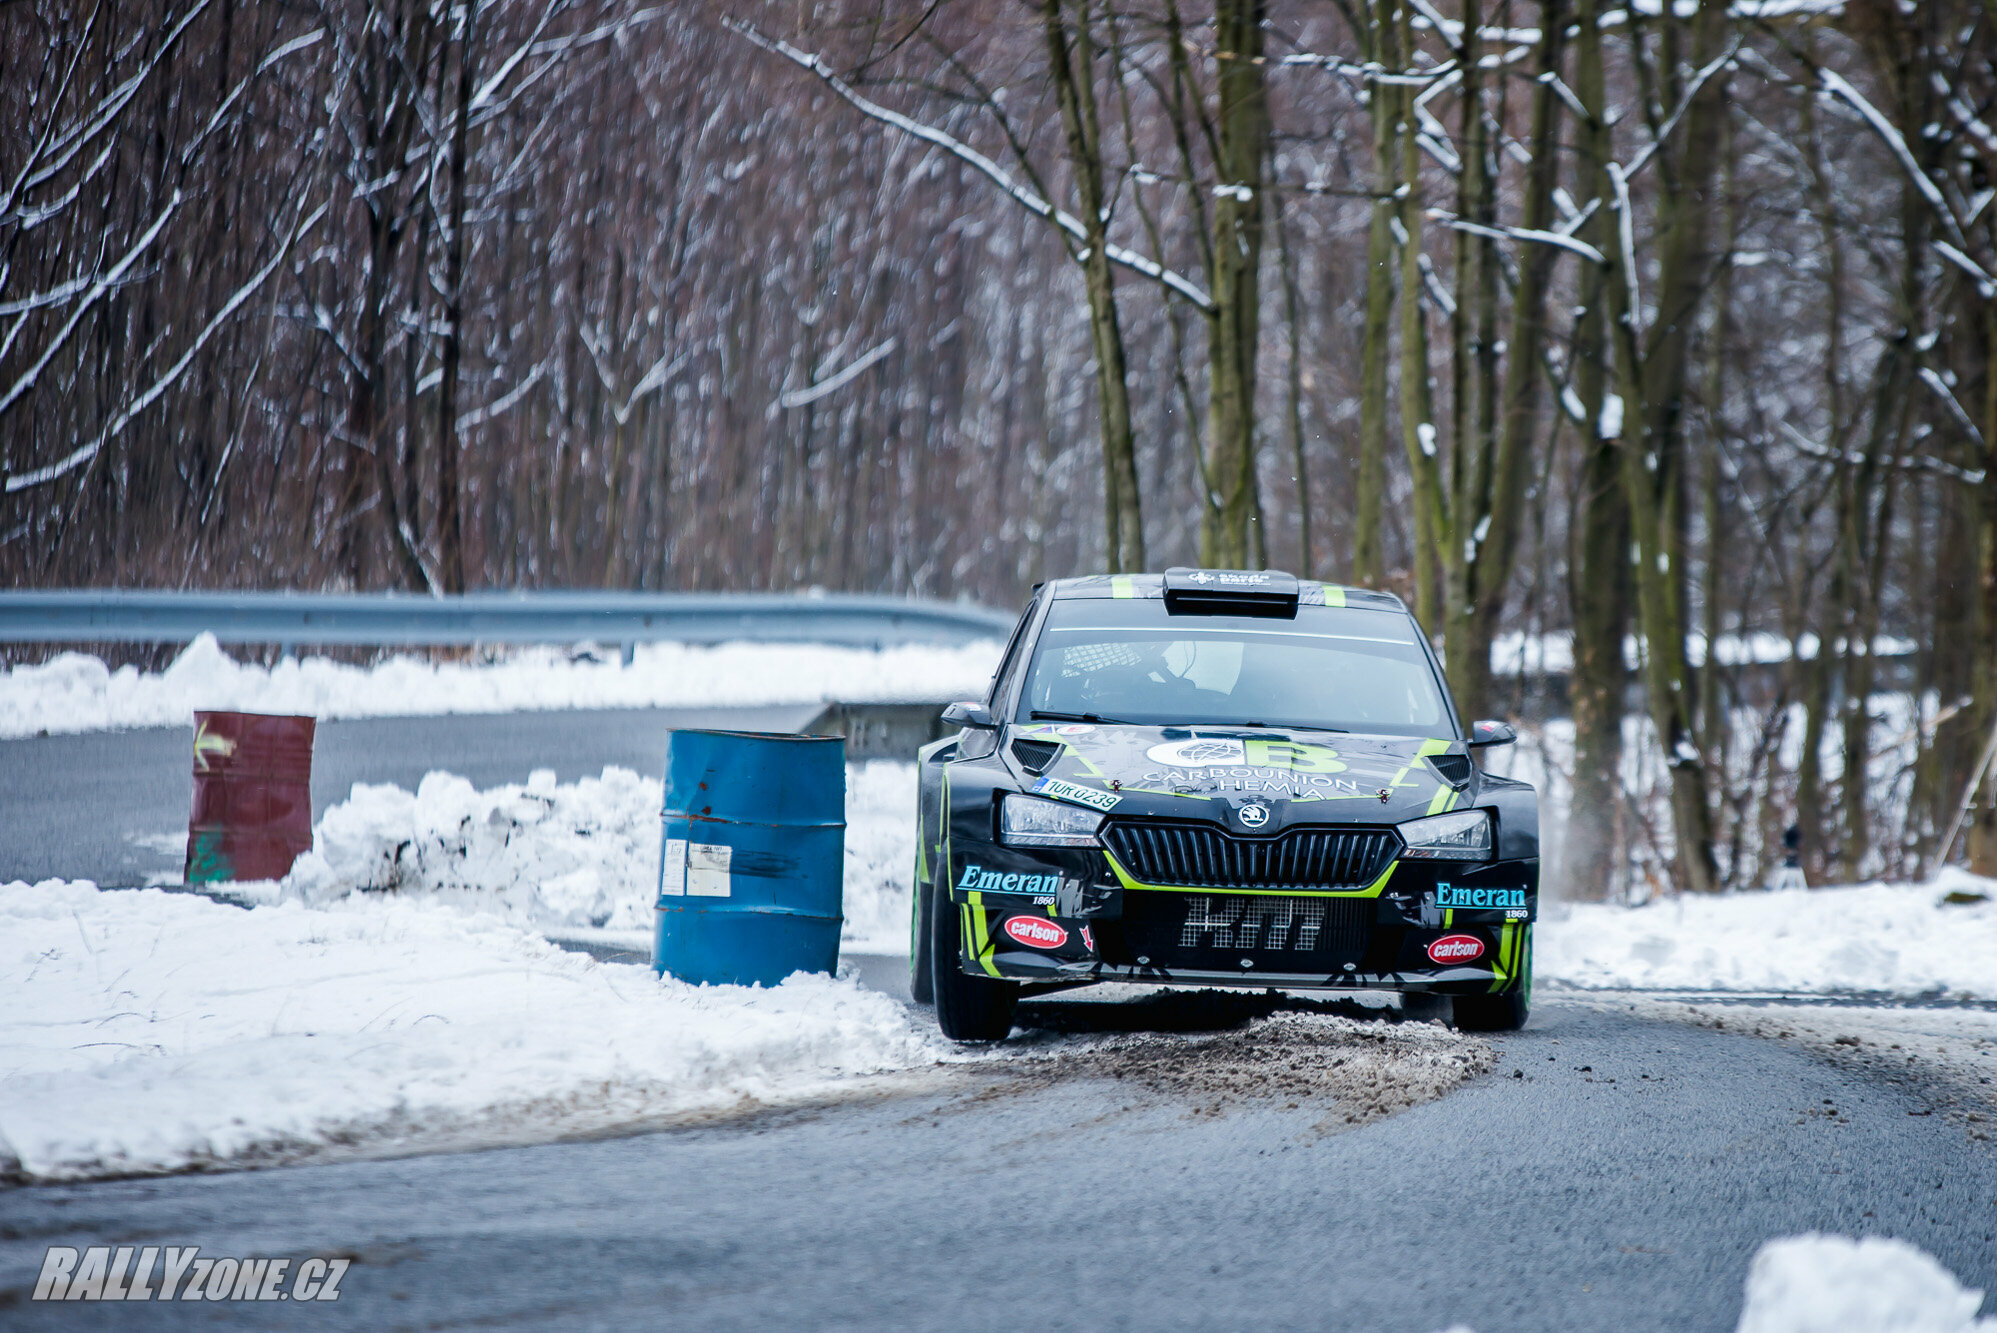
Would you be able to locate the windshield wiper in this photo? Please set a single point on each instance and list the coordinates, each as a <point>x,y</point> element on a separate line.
<point>1289,726</point>
<point>1041,715</point>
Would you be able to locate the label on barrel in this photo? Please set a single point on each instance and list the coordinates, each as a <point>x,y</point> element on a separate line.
<point>707,869</point>
<point>672,874</point>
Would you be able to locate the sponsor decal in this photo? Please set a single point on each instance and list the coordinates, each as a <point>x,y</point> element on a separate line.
<point>181,1273</point>
<point>1057,729</point>
<point>1254,814</point>
<point>1297,756</point>
<point>1043,887</point>
<point>1267,781</point>
<point>1230,578</point>
<point>1036,932</point>
<point>1277,767</point>
<point>1198,753</point>
<point>1227,921</point>
<point>1088,939</point>
<point>1456,949</point>
<point>205,744</point>
<point>1076,792</point>
<point>1447,895</point>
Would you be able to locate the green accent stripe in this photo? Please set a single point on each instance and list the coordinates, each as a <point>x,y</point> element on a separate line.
<point>1506,966</point>
<point>1372,890</point>
<point>1122,585</point>
<point>974,917</point>
<point>1334,595</point>
<point>1444,798</point>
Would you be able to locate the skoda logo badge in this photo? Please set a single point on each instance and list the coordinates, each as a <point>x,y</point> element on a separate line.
<point>1254,815</point>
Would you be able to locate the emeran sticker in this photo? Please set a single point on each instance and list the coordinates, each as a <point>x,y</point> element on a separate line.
<point>1076,792</point>
<point>998,881</point>
<point>1449,896</point>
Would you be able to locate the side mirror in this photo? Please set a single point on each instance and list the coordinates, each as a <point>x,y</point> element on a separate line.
<point>970,715</point>
<point>1488,733</point>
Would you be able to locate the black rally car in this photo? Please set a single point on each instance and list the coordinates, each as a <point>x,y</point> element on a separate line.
<point>1219,777</point>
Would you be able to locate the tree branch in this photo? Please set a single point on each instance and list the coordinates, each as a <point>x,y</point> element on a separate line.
<point>963,152</point>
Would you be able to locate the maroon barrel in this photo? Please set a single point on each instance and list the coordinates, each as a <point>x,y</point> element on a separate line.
<point>252,812</point>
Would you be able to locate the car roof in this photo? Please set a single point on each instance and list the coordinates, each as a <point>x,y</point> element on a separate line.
<point>1152,587</point>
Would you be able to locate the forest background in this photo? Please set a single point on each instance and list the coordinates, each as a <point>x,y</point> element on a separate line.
<point>1650,352</point>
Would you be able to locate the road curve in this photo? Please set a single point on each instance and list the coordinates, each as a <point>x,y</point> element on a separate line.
<point>1612,1172</point>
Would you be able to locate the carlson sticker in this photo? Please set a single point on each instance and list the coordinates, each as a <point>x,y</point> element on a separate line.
<point>1456,949</point>
<point>1036,932</point>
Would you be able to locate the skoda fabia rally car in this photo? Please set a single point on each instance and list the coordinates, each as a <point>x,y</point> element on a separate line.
<point>1219,777</point>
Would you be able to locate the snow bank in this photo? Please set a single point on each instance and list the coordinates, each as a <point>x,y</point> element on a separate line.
<point>74,692</point>
<point>148,1031</point>
<point>570,857</point>
<point>583,855</point>
<point>1832,1284</point>
<point>1900,939</point>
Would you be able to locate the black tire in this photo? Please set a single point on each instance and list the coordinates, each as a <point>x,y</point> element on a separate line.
<point>968,1008</point>
<point>921,985</point>
<point>1422,1006</point>
<point>1491,1013</point>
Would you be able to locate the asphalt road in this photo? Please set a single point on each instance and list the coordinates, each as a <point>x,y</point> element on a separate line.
<point>1621,1178</point>
<point>1614,1171</point>
<point>106,806</point>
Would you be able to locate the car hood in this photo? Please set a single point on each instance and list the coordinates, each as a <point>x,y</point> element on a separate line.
<point>1296,775</point>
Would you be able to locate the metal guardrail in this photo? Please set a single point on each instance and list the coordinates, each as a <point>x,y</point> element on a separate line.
<point>626,618</point>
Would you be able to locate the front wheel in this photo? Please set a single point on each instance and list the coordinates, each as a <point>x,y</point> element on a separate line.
<point>1491,1013</point>
<point>1506,1012</point>
<point>968,1008</point>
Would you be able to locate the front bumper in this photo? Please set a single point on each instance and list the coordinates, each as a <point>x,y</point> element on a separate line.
<point>1075,917</point>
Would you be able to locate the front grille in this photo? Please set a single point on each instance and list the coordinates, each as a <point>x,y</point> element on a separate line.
<point>1216,932</point>
<point>1201,856</point>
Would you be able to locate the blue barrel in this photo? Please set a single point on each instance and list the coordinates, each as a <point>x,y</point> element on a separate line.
<point>754,856</point>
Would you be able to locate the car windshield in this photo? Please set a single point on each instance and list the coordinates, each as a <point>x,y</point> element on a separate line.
<point>1336,669</point>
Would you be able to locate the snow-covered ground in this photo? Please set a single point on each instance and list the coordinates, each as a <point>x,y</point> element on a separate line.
<point>75,692</point>
<point>1839,1284</point>
<point>1894,939</point>
<point>1835,1284</point>
<point>570,858</point>
<point>151,1031</point>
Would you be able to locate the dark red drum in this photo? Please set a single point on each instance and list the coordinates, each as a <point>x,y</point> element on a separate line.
<point>252,811</point>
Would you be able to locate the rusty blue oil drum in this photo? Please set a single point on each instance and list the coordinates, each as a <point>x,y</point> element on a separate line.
<point>754,855</point>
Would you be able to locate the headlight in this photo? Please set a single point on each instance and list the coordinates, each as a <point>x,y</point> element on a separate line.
<point>1463,836</point>
<point>1028,821</point>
